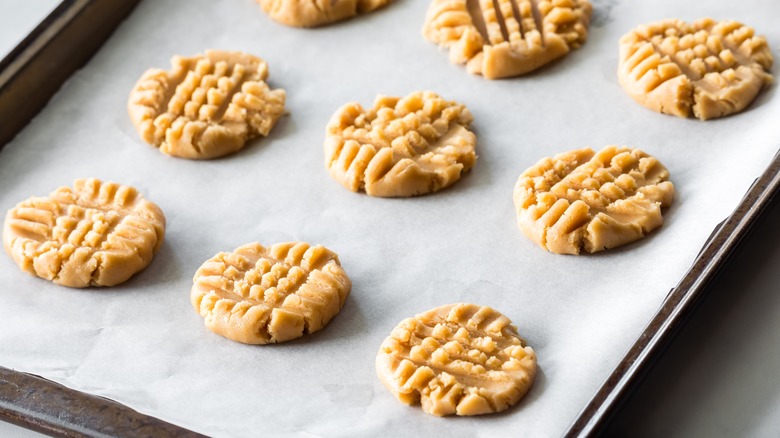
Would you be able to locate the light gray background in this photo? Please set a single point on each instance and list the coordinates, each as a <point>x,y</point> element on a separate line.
<point>706,418</point>
<point>18,18</point>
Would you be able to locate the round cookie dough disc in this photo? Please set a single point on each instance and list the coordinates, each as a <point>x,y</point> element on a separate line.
<point>586,201</point>
<point>707,69</point>
<point>206,106</point>
<point>402,146</point>
<point>311,13</point>
<point>504,38</point>
<point>458,359</point>
<point>259,295</point>
<point>93,234</point>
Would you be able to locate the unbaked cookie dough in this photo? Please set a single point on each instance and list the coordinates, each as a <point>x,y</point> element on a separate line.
<point>206,106</point>
<point>406,146</point>
<point>504,38</point>
<point>458,359</point>
<point>711,69</point>
<point>93,234</point>
<point>311,13</point>
<point>586,201</point>
<point>259,295</point>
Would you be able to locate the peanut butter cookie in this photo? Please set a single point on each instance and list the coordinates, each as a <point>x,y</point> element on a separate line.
<point>311,13</point>
<point>504,38</point>
<point>402,146</point>
<point>206,106</point>
<point>586,201</point>
<point>259,295</point>
<point>93,234</point>
<point>458,359</point>
<point>706,69</point>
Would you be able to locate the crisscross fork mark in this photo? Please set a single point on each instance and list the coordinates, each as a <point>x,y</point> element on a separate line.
<point>443,349</point>
<point>612,183</point>
<point>393,132</point>
<point>501,21</point>
<point>460,359</point>
<point>207,100</point>
<point>698,56</point>
<point>448,342</point>
<point>280,273</point>
<point>201,90</point>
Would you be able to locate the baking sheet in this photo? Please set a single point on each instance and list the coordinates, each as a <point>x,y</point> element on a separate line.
<point>143,345</point>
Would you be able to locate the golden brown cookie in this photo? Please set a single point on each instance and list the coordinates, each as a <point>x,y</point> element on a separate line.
<point>206,106</point>
<point>93,234</point>
<point>311,13</point>
<point>259,295</point>
<point>402,146</point>
<point>710,68</point>
<point>586,201</point>
<point>504,38</point>
<point>458,359</point>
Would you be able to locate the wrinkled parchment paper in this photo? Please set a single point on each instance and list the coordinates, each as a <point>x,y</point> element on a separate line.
<point>142,344</point>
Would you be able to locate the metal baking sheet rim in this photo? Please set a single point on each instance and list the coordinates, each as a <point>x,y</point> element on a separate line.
<point>65,416</point>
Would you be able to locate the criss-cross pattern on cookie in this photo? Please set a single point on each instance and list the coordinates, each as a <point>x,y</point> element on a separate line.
<point>93,234</point>
<point>311,13</point>
<point>402,146</point>
<point>458,359</point>
<point>259,295</point>
<point>707,69</point>
<point>206,106</point>
<point>586,201</point>
<point>503,38</point>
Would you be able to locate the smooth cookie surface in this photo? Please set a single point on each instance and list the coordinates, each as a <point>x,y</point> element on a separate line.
<point>460,359</point>
<point>259,295</point>
<point>91,234</point>
<point>206,106</point>
<point>707,69</point>
<point>504,38</point>
<point>406,146</point>
<point>585,201</point>
<point>311,13</point>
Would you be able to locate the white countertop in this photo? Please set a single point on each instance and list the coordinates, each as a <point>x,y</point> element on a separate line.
<point>720,376</point>
<point>24,16</point>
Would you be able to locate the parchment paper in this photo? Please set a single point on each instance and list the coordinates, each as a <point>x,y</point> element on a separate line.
<point>142,344</point>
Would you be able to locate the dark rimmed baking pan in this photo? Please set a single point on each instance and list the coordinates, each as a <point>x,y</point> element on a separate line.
<point>67,38</point>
